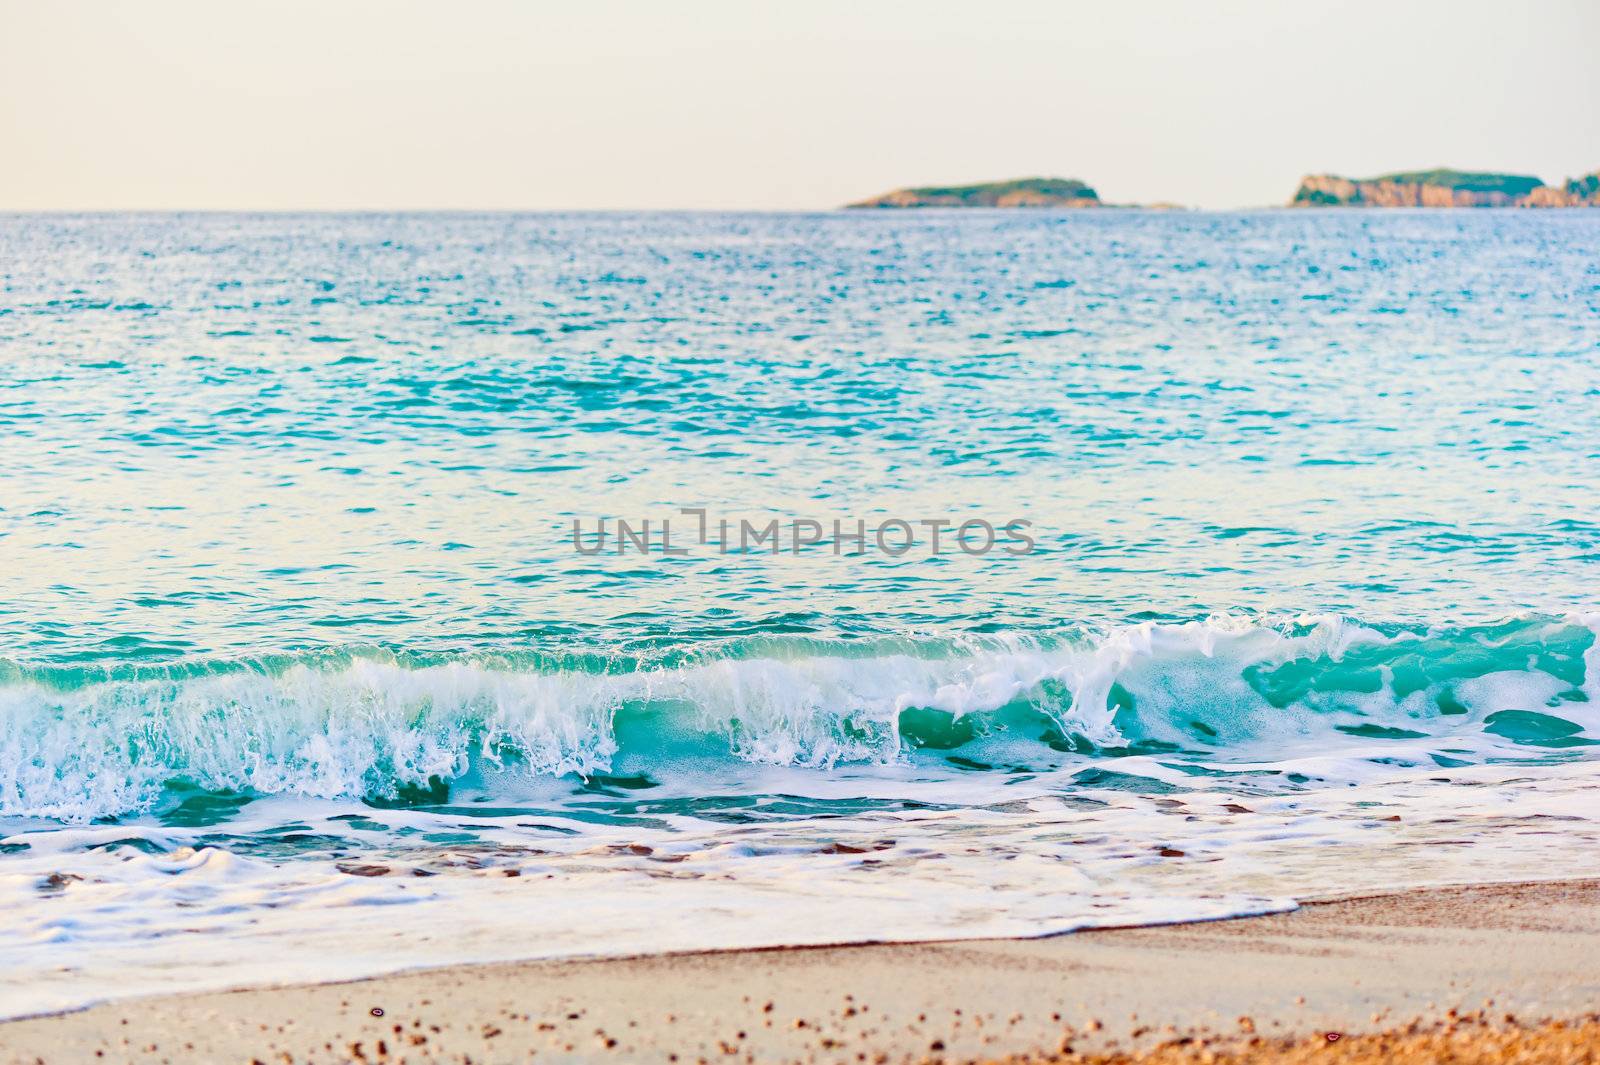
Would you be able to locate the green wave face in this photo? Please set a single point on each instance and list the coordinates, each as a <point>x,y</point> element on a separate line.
<point>1214,697</point>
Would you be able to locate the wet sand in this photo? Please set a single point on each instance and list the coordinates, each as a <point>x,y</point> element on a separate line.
<point>1469,974</point>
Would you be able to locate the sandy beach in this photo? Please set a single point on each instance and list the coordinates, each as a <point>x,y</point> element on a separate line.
<point>1492,971</point>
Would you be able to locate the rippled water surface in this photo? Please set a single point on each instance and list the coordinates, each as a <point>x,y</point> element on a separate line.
<point>293,614</point>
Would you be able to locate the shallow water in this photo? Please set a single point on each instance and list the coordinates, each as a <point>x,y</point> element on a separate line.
<point>294,616</point>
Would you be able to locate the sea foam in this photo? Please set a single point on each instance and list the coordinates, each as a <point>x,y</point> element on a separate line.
<point>367,724</point>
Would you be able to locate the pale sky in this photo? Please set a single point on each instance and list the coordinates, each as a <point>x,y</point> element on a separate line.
<point>393,104</point>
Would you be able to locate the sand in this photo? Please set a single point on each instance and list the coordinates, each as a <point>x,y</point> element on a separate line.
<point>1461,974</point>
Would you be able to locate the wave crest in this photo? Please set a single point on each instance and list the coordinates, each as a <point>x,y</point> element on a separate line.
<point>78,747</point>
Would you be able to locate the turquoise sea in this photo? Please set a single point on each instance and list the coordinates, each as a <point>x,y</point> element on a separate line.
<point>305,674</point>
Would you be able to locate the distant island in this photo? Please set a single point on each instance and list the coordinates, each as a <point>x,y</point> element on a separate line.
<point>1021,192</point>
<point>1445,188</point>
<point>1442,187</point>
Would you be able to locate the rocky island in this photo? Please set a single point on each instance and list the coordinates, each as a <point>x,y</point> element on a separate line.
<point>1021,192</point>
<point>1445,188</point>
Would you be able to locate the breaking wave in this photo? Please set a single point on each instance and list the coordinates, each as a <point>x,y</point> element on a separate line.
<point>80,744</point>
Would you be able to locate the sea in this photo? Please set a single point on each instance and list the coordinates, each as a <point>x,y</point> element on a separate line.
<point>385,592</point>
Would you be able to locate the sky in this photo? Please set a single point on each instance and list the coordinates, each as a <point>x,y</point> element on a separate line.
<point>610,104</point>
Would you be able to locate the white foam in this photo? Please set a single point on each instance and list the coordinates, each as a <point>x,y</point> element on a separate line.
<point>107,748</point>
<point>87,924</point>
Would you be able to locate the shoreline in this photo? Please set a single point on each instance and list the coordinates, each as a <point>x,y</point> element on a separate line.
<point>1500,956</point>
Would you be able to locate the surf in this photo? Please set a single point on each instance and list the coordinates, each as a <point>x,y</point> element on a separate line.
<point>79,743</point>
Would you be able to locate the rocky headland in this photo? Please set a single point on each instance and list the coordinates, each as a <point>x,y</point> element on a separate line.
<point>1445,188</point>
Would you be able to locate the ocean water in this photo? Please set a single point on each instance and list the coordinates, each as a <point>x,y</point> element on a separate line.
<point>305,672</point>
